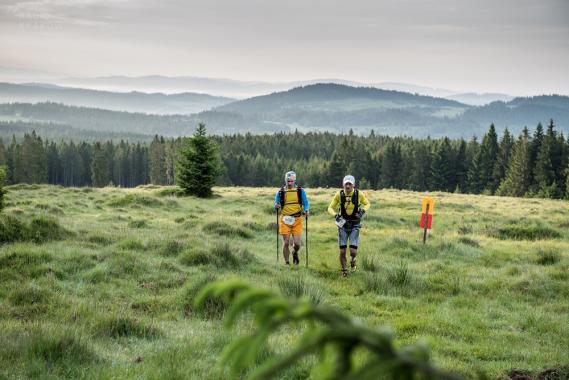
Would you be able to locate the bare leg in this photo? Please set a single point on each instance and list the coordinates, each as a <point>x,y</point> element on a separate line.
<point>286,252</point>
<point>297,240</point>
<point>296,247</point>
<point>353,254</point>
<point>343,260</point>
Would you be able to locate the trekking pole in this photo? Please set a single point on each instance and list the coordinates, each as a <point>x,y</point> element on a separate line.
<point>306,227</point>
<point>277,235</point>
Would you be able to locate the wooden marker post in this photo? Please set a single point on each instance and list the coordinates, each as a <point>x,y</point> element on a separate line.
<point>427,209</point>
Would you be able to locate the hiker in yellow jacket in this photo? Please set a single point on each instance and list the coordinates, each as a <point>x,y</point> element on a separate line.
<point>353,205</point>
<point>292,200</point>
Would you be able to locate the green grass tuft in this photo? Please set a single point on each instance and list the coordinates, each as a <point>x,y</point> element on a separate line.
<point>214,308</point>
<point>125,327</point>
<point>369,263</point>
<point>225,229</point>
<point>11,229</point>
<point>135,200</point>
<point>548,257</point>
<point>520,232</point>
<point>43,229</point>
<point>137,223</point>
<point>297,286</point>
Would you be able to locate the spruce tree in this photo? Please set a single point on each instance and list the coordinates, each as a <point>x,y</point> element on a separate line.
<point>535,145</point>
<point>518,174</point>
<point>442,177</point>
<point>420,177</point>
<point>2,191</point>
<point>487,159</point>
<point>548,157</point>
<point>3,158</point>
<point>503,159</point>
<point>475,182</point>
<point>391,166</point>
<point>461,167</point>
<point>567,183</point>
<point>157,161</point>
<point>199,164</point>
<point>54,168</point>
<point>100,174</point>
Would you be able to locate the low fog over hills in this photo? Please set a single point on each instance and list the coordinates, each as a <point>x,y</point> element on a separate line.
<point>319,107</point>
<point>153,103</point>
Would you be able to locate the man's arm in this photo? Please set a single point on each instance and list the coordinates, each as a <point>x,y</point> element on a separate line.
<point>364,201</point>
<point>277,200</point>
<point>332,208</point>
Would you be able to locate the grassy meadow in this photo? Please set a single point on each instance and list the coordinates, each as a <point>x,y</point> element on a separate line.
<point>99,283</point>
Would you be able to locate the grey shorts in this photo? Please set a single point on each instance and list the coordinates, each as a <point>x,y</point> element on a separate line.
<point>349,232</point>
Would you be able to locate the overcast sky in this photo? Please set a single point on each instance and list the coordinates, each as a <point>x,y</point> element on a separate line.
<point>519,47</point>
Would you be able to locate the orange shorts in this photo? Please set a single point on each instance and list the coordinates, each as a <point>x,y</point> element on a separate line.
<point>294,230</point>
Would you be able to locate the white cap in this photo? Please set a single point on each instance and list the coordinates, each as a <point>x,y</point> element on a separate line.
<point>349,179</point>
<point>290,175</point>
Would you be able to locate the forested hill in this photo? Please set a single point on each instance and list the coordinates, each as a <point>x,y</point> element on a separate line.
<point>317,108</point>
<point>94,119</point>
<point>155,103</point>
<point>521,112</point>
<point>338,108</point>
<point>336,97</point>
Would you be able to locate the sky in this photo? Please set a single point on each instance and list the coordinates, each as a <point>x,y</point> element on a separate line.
<point>519,47</point>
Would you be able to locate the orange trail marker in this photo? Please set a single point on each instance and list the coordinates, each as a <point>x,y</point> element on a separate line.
<point>427,208</point>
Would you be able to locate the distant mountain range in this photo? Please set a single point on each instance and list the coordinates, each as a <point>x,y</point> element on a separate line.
<point>246,89</point>
<point>154,103</point>
<point>319,107</point>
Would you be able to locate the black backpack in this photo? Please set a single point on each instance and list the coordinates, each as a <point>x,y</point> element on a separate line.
<point>355,202</point>
<point>298,193</point>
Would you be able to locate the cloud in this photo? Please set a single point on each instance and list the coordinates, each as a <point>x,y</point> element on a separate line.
<point>453,43</point>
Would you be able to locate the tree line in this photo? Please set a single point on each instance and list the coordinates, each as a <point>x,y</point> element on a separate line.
<point>531,164</point>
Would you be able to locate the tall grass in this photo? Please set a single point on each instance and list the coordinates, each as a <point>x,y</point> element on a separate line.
<point>100,283</point>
